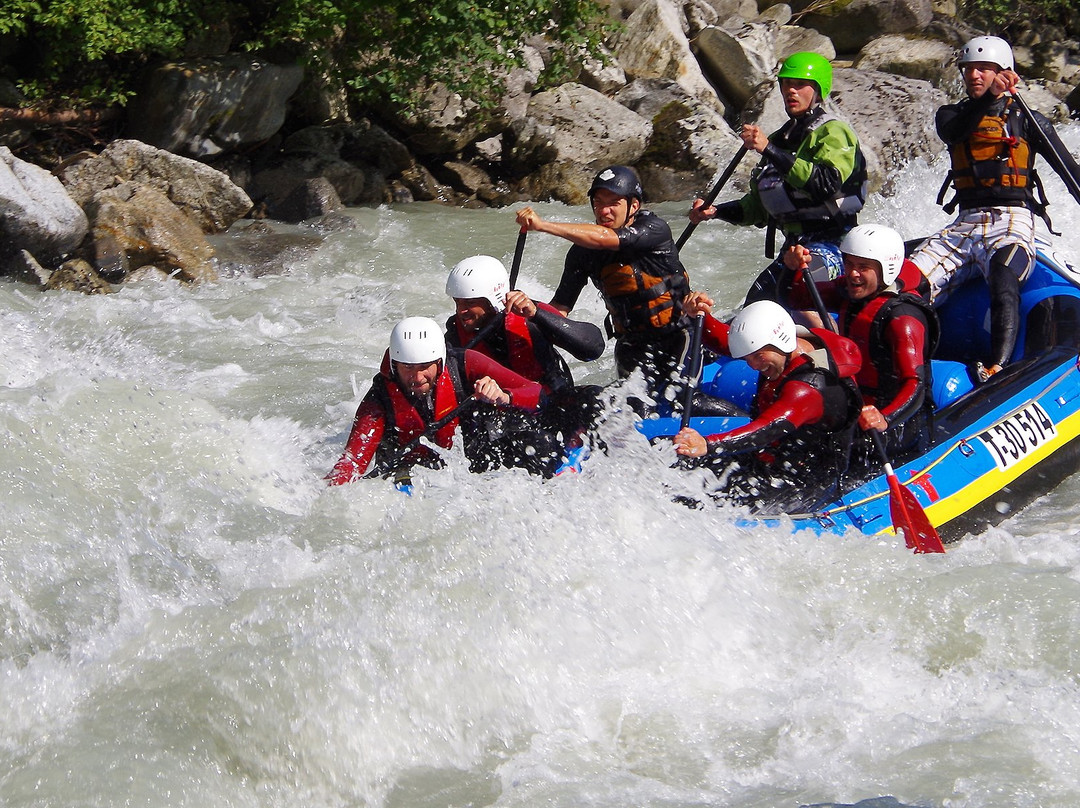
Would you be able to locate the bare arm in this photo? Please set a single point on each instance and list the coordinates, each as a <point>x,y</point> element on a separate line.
<point>590,236</point>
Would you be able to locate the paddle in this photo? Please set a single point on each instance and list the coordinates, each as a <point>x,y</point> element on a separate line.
<point>695,357</point>
<point>693,363</point>
<point>1071,182</point>
<point>402,473</point>
<point>719,184</point>
<point>907,513</point>
<point>497,320</point>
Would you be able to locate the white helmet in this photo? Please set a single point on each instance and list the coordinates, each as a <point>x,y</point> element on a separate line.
<point>761,324</point>
<point>416,340</point>
<point>480,276</point>
<point>877,243</point>
<point>992,49</point>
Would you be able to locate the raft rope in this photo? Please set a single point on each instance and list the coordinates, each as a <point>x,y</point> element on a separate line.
<point>828,514</point>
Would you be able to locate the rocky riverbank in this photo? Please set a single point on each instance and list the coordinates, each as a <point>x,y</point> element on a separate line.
<point>212,141</point>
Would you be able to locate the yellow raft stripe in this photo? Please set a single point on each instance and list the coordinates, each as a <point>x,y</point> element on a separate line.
<point>995,479</point>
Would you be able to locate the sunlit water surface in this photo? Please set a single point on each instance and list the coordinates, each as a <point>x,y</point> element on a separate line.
<point>188,616</point>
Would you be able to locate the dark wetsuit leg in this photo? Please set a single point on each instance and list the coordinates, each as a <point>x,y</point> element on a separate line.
<point>1006,265</point>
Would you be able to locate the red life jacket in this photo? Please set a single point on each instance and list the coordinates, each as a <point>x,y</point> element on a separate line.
<point>858,329</point>
<point>519,341</point>
<point>402,417</point>
<point>865,327</point>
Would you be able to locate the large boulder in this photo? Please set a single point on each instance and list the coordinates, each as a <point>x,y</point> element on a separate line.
<point>652,44</point>
<point>851,25</point>
<point>739,62</point>
<point>135,225</point>
<point>583,126</point>
<point>206,107</point>
<point>903,55</point>
<point>690,141</point>
<point>205,194</point>
<point>36,212</point>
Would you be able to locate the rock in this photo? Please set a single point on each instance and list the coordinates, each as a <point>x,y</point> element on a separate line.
<point>796,39</point>
<point>902,55</point>
<point>605,75</point>
<point>78,276</point>
<point>851,25</point>
<point>893,117</point>
<point>22,266</point>
<point>206,107</point>
<point>203,193</point>
<point>739,63</point>
<point>37,214</point>
<point>311,198</point>
<point>567,182</point>
<point>653,45</point>
<point>690,138</point>
<point>135,225</point>
<point>589,128</point>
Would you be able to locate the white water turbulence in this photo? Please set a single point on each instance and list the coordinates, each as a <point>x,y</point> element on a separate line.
<point>190,617</point>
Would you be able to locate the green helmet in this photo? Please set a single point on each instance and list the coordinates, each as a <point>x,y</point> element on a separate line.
<point>809,66</point>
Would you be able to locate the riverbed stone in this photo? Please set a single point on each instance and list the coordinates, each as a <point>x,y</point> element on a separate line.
<point>203,193</point>
<point>37,214</point>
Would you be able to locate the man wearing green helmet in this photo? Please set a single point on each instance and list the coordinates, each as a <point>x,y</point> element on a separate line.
<point>810,183</point>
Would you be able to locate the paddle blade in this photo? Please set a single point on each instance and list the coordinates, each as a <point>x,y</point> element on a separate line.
<point>908,515</point>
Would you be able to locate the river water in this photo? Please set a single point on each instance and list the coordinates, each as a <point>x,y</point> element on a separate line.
<point>188,616</point>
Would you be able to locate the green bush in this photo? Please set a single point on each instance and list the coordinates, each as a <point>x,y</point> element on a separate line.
<point>1012,17</point>
<point>90,51</point>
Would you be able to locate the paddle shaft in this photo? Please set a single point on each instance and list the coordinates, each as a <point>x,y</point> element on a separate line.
<point>498,319</point>
<point>906,511</point>
<point>695,359</point>
<point>1071,182</point>
<point>439,423</point>
<point>715,192</point>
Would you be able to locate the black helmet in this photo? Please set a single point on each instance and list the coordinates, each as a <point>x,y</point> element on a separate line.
<point>620,180</point>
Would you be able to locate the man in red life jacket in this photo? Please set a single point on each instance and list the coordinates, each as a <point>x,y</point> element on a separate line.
<point>803,410</point>
<point>528,333</point>
<point>894,328</point>
<point>992,144</point>
<point>509,327</point>
<point>420,383</point>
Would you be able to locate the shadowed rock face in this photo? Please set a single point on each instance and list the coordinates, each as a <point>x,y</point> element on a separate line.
<point>202,109</point>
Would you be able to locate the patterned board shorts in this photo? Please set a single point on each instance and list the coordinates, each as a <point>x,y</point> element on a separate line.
<point>964,248</point>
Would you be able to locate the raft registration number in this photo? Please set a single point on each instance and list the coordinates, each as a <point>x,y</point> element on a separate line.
<point>1012,439</point>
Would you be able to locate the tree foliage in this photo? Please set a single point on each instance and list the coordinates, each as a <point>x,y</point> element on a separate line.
<point>1012,17</point>
<point>92,50</point>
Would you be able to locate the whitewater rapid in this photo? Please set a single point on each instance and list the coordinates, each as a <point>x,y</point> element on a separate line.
<point>189,616</point>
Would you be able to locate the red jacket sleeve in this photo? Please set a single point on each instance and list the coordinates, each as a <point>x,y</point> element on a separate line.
<point>367,432</point>
<point>714,335</point>
<point>907,340</point>
<point>799,404</point>
<point>527,395</point>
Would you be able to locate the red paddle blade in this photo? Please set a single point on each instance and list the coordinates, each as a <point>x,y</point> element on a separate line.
<point>908,515</point>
